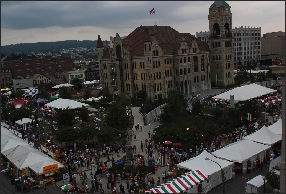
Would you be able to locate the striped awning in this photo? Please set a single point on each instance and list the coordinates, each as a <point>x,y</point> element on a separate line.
<point>182,183</point>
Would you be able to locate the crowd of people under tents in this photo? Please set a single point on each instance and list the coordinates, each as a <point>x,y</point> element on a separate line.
<point>85,157</point>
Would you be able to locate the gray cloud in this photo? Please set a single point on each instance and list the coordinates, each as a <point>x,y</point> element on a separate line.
<point>86,19</point>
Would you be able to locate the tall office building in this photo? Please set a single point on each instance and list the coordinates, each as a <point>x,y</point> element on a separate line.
<point>246,44</point>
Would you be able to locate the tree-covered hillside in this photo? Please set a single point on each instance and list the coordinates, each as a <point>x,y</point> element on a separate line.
<point>46,46</point>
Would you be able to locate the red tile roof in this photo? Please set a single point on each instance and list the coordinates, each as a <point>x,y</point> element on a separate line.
<point>168,39</point>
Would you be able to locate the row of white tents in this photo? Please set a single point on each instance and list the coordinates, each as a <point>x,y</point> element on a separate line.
<point>247,149</point>
<point>23,155</point>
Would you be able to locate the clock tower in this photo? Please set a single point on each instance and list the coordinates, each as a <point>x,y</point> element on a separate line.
<point>220,43</point>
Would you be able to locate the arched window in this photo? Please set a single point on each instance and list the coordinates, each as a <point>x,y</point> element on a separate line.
<point>226,30</point>
<point>216,30</point>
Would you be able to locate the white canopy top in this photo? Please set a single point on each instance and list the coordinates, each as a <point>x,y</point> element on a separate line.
<point>91,82</point>
<point>276,127</point>
<point>240,151</point>
<point>264,135</point>
<point>23,121</point>
<point>62,85</point>
<point>200,162</point>
<point>95,99</point>
<point>257,181</point>
<point>245,92</point>
<point>65,104</point>
<point>22,155</point>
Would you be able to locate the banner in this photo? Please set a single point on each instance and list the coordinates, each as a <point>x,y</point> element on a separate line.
<point>51,168</point>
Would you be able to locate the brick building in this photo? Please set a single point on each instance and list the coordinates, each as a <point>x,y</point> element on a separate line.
<point>155,59</point>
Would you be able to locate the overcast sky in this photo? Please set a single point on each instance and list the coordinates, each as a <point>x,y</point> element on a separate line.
<point>43,21</point>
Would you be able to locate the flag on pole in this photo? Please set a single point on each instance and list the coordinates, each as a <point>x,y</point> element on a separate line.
<point>249,116</point>
<point>152,11</point>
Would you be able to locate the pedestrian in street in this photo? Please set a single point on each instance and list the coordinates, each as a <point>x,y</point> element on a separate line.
<point>134,137</point>
<point>127,184</point>
<point>149,134</point>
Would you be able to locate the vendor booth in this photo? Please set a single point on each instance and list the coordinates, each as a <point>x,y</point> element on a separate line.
<point>256,185</point>
<point>276,127</point>
<point>265,136</point>
<point>245,152</point>
<point>207,163</point>
<point>65,104</point>
<point>187,182</point>
<point>24,122</point>
<point>245,92</point>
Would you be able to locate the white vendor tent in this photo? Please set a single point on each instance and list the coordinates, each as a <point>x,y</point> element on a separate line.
<point>265,136</point>
<point>23,121</point>
<point>242,151</point>
<point>65,104</point>
<point>276,127</point>
<point>255,185</point>
<point>21,154</point>
<point>245,92</point>
<point>62,85</point>
<point>210,168</point>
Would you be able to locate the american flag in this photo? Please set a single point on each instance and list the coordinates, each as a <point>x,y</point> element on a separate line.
<point>152,11</point>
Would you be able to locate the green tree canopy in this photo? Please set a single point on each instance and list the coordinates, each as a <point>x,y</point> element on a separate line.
<point>67,134</point>
<point>18,94</point>
<point>65,93</point>
<point>43,93</point>
<point>77,84</point>
<point>87,93</point>
<point>65,117</point>
<point>197,107</point>
<point>117,117</point>
<point>83,114</point>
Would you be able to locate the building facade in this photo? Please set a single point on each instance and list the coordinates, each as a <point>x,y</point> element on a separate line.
<point>247,45</point>
<point>220,43</point>
<point>80,74</point>
<point>39,79</point>
<point>273,46</point>
<point>154,59</point>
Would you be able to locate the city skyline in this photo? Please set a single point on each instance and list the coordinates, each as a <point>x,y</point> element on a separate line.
<point>48,21</point>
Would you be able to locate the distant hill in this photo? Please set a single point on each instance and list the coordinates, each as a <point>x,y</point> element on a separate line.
<point>26,48</point>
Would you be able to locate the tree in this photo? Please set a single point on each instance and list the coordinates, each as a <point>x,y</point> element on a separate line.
<point>142,95</point>
<point>65,93</point>
<point>107,135</point>
<point>117,117</point>
<point>17,114</point>
<point>43,93</point>
<point>65,117</point>
<point>18,94</point>
<point>176,101</point>
<point>67,134</point>
<point>77,84</point>
<point>273,179</point>
<point>86,93</point>
<point>197,107</point>
<point>167,115</point>
<point>83,114</point>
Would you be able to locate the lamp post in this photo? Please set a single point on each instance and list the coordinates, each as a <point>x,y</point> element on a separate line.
<point>222,176</point>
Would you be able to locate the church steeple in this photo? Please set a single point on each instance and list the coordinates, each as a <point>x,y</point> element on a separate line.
<point>99,43</point>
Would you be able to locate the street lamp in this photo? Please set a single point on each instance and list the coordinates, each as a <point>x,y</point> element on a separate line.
<point>222,176</point>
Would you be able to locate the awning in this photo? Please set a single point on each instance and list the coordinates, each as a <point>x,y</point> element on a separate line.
<point>182,183</point>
